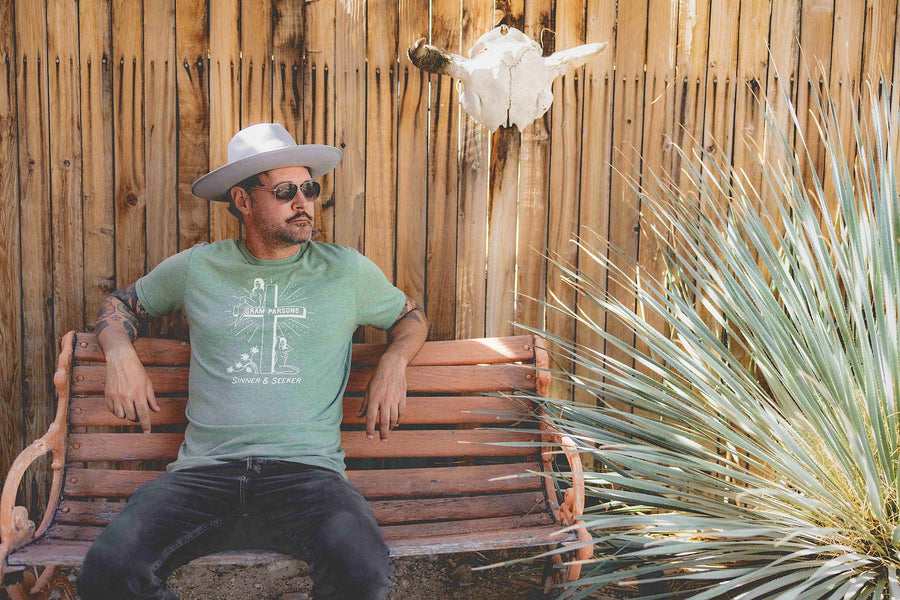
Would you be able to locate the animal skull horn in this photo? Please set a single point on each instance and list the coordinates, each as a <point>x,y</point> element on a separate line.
<point>506,80</point>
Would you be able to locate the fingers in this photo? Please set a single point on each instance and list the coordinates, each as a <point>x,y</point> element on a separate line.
<point>143,411</point>
<point>151,398</point>
<point>385,422</point>
<point>371,417</point>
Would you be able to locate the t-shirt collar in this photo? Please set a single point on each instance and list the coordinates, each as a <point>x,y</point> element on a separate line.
<point>242,247</point>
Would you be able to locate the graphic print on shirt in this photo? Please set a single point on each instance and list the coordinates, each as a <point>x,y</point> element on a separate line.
<point>266,318</point>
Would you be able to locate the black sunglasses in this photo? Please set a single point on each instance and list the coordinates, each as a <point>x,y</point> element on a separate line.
<point>288,190</point>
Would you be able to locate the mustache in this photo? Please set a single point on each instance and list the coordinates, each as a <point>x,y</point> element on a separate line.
<point>301,215</point>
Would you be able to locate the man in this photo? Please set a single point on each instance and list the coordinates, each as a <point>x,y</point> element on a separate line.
<point>271,320</point>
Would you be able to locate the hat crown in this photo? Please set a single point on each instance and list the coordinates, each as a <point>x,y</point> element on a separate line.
<point>261,137</point>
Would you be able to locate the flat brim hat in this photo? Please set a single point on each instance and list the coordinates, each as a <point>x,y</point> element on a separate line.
<point>258,148</point>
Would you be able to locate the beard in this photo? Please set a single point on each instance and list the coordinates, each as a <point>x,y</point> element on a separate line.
<point>277,234</point>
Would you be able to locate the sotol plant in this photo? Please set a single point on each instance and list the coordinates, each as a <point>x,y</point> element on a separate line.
<point>757,453</point>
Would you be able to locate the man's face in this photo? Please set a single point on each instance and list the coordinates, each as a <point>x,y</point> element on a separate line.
<point>281,221</point>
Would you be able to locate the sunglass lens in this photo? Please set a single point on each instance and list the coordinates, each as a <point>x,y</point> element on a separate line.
<point>310,189</point>
<point>286,191</point>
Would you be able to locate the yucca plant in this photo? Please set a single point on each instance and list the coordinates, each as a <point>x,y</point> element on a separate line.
<point>757,453</point>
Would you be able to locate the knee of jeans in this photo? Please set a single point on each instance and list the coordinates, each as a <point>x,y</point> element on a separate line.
<point>109,569</point>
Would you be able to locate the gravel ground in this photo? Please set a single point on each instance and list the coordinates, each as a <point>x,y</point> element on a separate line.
<point>448,577</point>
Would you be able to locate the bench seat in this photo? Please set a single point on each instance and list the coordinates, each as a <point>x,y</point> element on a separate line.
<point>462,473</point>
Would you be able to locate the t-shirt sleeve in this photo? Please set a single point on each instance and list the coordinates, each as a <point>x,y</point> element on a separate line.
<point>378,302</point>
<point>161,291</point>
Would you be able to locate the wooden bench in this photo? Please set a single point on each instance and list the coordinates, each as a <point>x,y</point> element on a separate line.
<point>452,485</point>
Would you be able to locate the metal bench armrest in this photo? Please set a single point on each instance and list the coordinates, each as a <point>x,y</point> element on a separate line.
<point>16,529</point>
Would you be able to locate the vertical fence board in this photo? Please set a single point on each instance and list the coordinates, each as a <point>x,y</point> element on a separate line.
<point>128,127</point>
<point>473,188</point>
<point>224,103</point>
<point>34,209</point>
<point>534,187</point>
<point>160,154</point>
<point>412,163</point>
<point>878,48</point>
<point>503,191</point>
<point>192,88</point>
<point>381,139</point>
<point>784,53</point>
<point>290,36</point>
<point>596,141</point>
<point>315,90</point>
<point>631,34</point>
<point>659,117</point>
<point>65,166</point>
<point>11,428</point>
<point>565,171</point>
<point>690,85</point>
<point>98,205</point>
<point>256,62</point>
<point>816,27</point>
<point>349,116</point>
<point>718,134</point>
<point>443,202</point>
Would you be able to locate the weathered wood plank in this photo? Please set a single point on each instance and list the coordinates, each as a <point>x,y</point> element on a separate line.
<point>34,214</point>
<point>290,38</point>
<point>401,444</point>
<point>387,512</point>
<point>315,78</point>
<point>192,82</point>
<point>128,126</point>
<point>381,141</point>
<point>816,27</point>
<point>474,171</point>
<point>412,164</point>
<point>442,379</point>
<point>564,174</point>
<point>500,303</point>
<point>160,149</point>
<point>781,88</point>
<point>659,123</point>
<point>154,351</point>
<point>385,483</point>
<point>11,428</point>
<point>65,165</point>
<point>98,197</point>
<point>224,103</point>
<point>442,188</point>
<point>596,147</point>
<point>534,188</point>
<point>92,410</point>
<point>256,62</point>
<point>71,553</point>
<point>349,115</point>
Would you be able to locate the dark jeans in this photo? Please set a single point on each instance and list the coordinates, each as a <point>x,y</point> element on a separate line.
<point>308,512</point>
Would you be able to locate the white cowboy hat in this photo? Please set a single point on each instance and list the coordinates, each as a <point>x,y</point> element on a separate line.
<point>258,148</point>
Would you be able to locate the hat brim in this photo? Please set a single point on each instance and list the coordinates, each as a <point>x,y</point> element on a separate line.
<point>216,185</point>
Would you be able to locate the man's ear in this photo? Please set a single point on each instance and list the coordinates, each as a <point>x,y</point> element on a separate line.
<point>241,199</point>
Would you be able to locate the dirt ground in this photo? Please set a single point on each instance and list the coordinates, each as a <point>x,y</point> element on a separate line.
<point>441,577</point>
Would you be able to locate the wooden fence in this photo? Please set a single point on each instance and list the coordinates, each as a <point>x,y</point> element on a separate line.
<point>110,109</point>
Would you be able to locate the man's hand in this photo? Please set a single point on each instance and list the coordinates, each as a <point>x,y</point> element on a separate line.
<point>129,392</point>
<point>385,400</point>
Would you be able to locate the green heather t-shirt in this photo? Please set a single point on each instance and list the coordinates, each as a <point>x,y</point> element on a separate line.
<point>270,346</point>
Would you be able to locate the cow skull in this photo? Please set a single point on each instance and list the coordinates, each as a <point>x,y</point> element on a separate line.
<point>506,80</point>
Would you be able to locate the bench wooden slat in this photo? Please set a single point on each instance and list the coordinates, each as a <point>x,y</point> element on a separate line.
<point>85,447</point>
<point>91,411</point>
<point>153,351</point>
<point>88,533</point>
<point>90,379</point>
<point>66,553</point>
<point>80,512</point>
<point>381,483</point>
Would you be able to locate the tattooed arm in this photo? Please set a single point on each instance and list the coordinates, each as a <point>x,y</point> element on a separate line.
<point>129,393</point>
<point>385,400</point>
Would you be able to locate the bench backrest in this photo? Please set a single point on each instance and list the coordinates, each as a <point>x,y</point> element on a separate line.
<point>446,455</point>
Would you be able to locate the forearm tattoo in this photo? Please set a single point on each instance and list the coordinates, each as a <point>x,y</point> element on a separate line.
<point>411,310</point>
<point>127,312</point>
